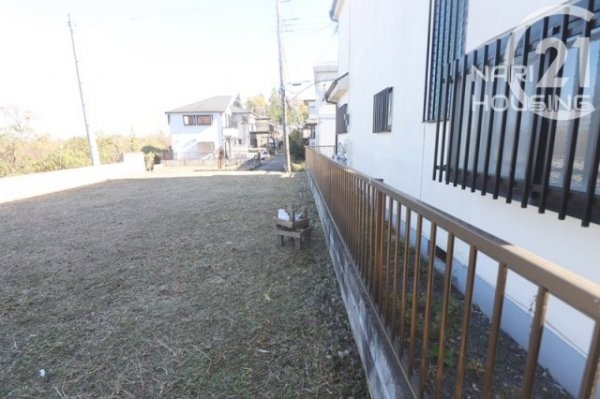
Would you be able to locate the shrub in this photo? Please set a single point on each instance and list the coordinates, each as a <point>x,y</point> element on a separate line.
<point>297,145</point>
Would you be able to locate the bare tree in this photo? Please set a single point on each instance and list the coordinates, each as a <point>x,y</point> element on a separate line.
<point>15,127</point>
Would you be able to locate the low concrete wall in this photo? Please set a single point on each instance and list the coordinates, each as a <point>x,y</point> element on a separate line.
<point>14,188</point>
<point>384,375</point>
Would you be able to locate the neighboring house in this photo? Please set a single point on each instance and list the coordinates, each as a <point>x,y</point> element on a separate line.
<point>324,111</point>
<point>198,130</point>
<point>238,137</point>
<point>420,122</point>
<point>263,134</point>
<point>310,125</point>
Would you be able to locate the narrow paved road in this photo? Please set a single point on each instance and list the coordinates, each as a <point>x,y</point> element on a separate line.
<point>273,164</point>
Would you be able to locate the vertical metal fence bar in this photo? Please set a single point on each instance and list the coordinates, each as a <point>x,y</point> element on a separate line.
<point>365,240</point>
<point>465,171</point>
<point>453,23</point>
<point>345,201</point>
<point>427,315</point>
<point>361,228</point>
<point>415,296</point>
<point>490,126</point>
<point>488,379</point>
<point>519,118</point>
<point>439,377</point>
<point>396,265</point>
<point>591,375</point>
<point>437,89</point>
<point>379,238</point>
<point>498,169</point>
<point>535,341</point>
<point>448,100</point>
<point>460,118</point>
<point>552,132</point>
<point>353,217</point>
<point>372,246</point>
<point>464,336</point>
<point>535,124</point>
<point>405,260</point>
<point>428,62</point>
<point>480,113</point>
<point>388,259</point>
<point>452,119</point>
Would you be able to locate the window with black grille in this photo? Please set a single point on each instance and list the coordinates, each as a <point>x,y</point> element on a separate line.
<point>446,43</point>
<point>342,119</point>
<point>382,111</point>
<point>496,138</point>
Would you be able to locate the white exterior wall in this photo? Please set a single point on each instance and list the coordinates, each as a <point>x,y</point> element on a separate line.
<point>325,130</point>
<point>185,139</point>
<point>324,75</point>
<point>385,44</point>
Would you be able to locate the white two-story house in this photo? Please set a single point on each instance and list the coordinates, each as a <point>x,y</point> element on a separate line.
<point>198,130</point>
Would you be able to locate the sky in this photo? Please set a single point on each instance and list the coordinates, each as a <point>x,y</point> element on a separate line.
<point>138,59</point>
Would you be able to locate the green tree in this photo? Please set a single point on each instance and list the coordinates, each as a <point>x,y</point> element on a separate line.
<point>274,107</point>
<point>15,130</point>
<point>257,104</point>
<point>75,153</point>
<point>297,151</point>
<point>297,111</point>
<point>238,101</point>
<point>109,147</point>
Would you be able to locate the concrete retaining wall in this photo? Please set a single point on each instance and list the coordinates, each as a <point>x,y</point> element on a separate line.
<point>382,368</point>
<point>14,188</point>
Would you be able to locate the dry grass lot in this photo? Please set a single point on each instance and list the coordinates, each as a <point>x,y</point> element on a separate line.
<point>169,287</point>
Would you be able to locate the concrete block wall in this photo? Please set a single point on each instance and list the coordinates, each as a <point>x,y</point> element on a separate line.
<point>385,377</point>
<point>15,188</point>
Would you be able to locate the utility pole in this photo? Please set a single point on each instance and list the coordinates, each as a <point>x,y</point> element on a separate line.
<point>91,137</point>
<point>286,140</point>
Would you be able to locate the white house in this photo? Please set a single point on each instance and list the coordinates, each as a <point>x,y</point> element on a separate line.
<point>429,120</point>
<point>324,112</point>
<point>198,130</point>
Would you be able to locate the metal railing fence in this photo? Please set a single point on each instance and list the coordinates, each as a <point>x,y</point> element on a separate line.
<point>382,228</point>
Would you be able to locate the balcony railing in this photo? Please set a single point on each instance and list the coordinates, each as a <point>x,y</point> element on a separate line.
<point>414,294</point>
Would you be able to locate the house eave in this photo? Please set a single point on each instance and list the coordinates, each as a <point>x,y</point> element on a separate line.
<point>336,8</point>
<point>338,88</point>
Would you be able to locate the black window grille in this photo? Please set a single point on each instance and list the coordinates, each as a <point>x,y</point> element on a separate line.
<point>446,43</point>
<point>342,119</point>
<point>499,143</point>
<point>382,111</point>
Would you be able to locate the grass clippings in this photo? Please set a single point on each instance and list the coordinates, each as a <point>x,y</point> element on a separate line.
<point>170,287</point>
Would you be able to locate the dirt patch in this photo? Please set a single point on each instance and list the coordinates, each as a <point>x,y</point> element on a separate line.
<point>169,287</point>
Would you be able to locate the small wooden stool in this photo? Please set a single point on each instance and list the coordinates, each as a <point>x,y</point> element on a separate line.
<point>299,230</point>
<point>299,236</point>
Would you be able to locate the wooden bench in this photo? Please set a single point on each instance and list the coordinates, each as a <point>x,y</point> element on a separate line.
<point>298,235</point>
<point>299,230</point>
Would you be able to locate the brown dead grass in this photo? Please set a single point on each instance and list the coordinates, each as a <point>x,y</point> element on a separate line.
<point>169,287</point>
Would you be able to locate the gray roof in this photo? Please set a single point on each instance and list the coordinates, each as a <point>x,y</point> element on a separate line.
<point>212,104</point>
<point>238,110</point>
